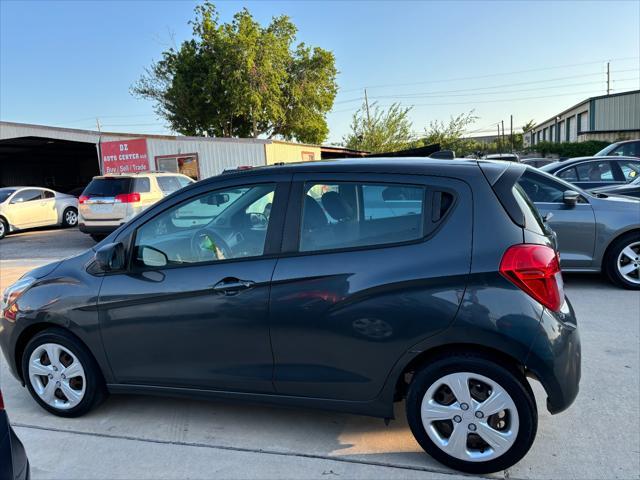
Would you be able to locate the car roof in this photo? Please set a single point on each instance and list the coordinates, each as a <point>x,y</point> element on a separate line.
<point>403,165</point>
<point>552,167</point>
<point>152,173</point>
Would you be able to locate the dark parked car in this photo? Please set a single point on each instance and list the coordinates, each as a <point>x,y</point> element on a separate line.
<point>628,189</point>
<point>595,233</point>
<point>342,285</point>
<point>627,148</point>
<point>13,459</point>
<point>593,172</point>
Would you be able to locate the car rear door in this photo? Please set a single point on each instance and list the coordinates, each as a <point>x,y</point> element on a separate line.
<point>198,318</point>
<point>370,263</point>
<point>575,226</point>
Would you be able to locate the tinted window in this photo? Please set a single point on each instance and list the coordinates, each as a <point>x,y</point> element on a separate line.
<point>542,189</point>
<point>631,149</point>
<point>48,194</point>
<point>630,169</point>
<point>532,219</point>
<point>141,185</point>
<point>108,187</point>
<point>570,175</point>
<point>214,226</point>
<point>171,184</point>
<point>27,196</point>
<point>595,172</point>
<point>5,193</point>
<point>346,215</point>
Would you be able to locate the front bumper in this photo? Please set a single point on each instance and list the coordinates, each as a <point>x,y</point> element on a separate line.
<point>8,338</point>
<point>555,358</point>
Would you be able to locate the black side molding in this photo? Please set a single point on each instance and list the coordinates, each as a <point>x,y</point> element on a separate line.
<point>503,188</point>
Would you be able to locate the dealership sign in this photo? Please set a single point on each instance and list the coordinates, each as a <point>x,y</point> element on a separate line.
<point>125,156</point>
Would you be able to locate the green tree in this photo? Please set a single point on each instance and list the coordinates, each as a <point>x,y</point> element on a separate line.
<point>528,126</point>
<point>378,131</point>
<point>451,135</point>
<point>241,79</point>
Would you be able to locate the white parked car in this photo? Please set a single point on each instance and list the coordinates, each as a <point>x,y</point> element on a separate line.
<point>112,200</point>
<point>29,207</point>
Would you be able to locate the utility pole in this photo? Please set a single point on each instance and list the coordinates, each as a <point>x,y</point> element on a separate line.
<point>98,124</point>
<point>608,78</point>
<point>503,139</point>
<point>498,139</point>
<point>366,103</point>
<point>512,145</point>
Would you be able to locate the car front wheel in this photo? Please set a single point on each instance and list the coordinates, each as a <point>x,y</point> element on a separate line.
<point>61,375</point>
<point>622,263</point>
<point>472,414</point>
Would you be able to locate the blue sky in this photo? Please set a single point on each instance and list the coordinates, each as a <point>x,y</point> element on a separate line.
<point>66,63</point>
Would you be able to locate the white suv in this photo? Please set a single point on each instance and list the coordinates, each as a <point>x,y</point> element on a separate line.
<point>111,200</point>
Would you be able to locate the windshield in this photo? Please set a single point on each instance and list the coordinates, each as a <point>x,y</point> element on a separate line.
<point>5,193</point>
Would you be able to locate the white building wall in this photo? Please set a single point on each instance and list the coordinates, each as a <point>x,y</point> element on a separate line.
<point>214,155</point>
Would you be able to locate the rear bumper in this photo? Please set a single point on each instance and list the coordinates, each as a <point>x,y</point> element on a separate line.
<point>94,228</point>
<point>555,358</point>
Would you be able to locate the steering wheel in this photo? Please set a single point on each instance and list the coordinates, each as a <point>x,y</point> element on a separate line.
<point>207,245</point>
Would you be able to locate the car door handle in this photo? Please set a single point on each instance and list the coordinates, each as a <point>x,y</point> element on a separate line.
<point>231,286</point>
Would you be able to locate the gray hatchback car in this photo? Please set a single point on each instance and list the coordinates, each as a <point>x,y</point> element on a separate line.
<point>596,233</point>
<point>346,285</point>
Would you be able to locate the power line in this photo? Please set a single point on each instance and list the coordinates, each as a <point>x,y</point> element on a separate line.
<point>493,87</point>
<point>490,75</point>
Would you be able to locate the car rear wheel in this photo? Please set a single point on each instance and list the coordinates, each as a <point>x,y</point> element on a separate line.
<point>472,414</point>
<point>61,375</point>
<point>622,263</point>
<point>70,217</point>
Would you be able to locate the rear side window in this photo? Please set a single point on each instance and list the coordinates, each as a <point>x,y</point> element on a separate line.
<point>48,194</point>
<point>170,184</point>
<point>595,172</point>
<point>108,187</point>
<point>141,185</point>
<point>532,219</point>
<point>348,215</point>
<point>630,169</point>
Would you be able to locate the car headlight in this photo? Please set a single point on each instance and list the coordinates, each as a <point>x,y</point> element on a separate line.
<point>11,295</point>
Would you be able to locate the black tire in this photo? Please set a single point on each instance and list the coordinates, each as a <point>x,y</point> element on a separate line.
<point>95,388</point>
<point>4,228</point>
<point>509,379</point>
<point>610,262</point>
<point>65,222</point>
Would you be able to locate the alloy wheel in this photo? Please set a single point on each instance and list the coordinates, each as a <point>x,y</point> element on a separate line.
<point>628,263</point>
<point>71,218</point>
<point>57,376</point>
<point>470,417</point>
<point>2,229</point>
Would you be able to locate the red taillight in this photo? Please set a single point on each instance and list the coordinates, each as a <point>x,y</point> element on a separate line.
<point>128,197</point>
<point>536,270</point>
<point>82,198</point>
<point>1,401</point>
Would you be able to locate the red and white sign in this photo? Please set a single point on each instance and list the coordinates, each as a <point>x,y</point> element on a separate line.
<point>125,156</point>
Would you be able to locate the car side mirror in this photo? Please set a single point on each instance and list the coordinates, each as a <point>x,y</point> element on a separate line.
<point>570,197</point>
<point>152,257</point>
<point>110,257</point>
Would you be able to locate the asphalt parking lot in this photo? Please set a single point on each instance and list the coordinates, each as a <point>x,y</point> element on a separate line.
<point>147,437</point>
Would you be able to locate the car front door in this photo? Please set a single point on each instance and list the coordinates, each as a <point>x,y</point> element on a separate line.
<point>368,262</point>
<point>192,310</point>
<point>574,225</point>
<point>597,173</point>
<point>27,208</point>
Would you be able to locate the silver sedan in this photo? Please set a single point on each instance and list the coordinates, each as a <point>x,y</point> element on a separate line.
<point>29,207</point>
